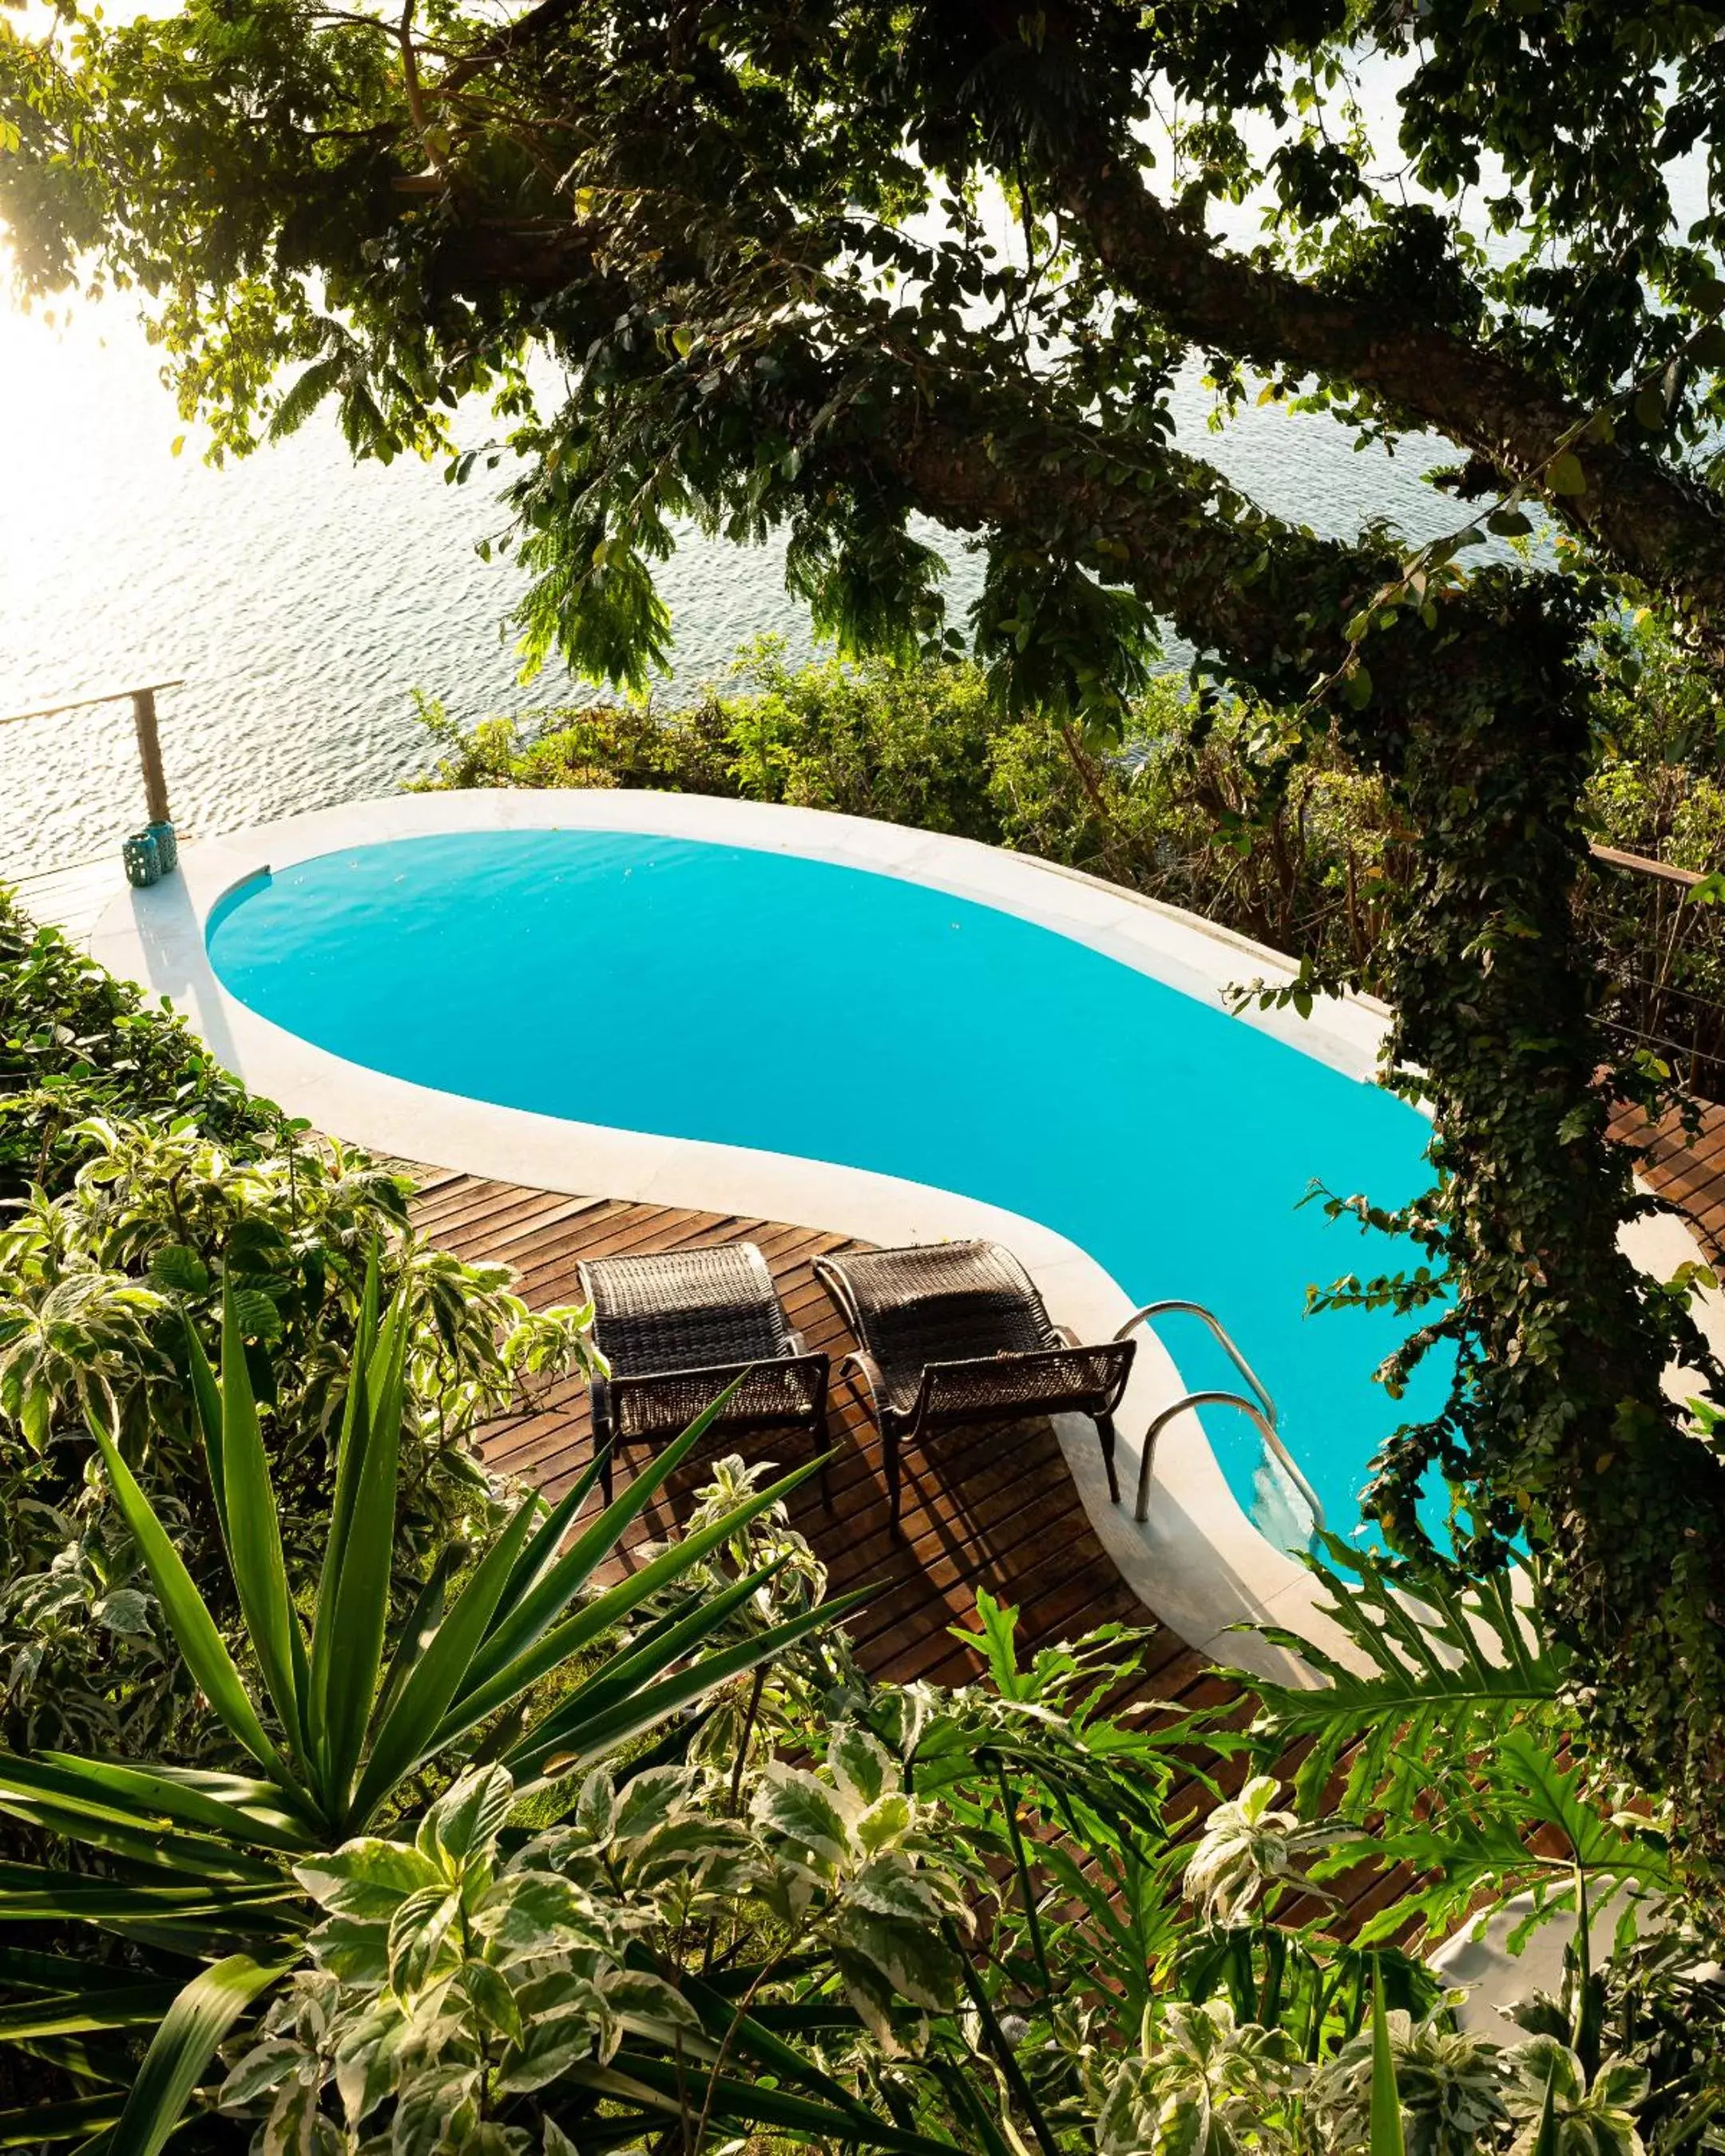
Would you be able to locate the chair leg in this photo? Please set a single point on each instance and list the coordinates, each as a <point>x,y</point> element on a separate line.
<point>1104,1430</point>
<point>890,1444</point>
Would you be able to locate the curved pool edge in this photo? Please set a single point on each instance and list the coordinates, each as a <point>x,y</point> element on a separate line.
<point>1198,1561</point>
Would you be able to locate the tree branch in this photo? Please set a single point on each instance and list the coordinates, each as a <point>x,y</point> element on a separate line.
<point>1652,522</point>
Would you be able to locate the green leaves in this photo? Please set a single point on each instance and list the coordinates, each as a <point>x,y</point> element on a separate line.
<point>252,1530</point>
<point>796,1804</point>
<point>466,1819</point>
<point>1439,1667</point>
<point>207,1855</point>
<point>1387,2138</point>
<point>353,1592</point>
<point>408,1730</point>
<point>182,2048</point>
<point>1564,475</point>
<point>194,1629</point>
<point>496,1639</point>
<point>177,1270</point>
<point>1442,1723</point>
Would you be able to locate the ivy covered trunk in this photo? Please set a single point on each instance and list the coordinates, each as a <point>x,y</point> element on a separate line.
<point>1560,1423</point>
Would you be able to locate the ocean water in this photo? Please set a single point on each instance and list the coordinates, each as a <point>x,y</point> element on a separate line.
<point>304,596</point>
<point>1176,1148</point>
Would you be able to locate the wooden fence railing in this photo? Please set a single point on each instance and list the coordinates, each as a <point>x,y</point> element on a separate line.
<point>143,715</point>
<point>1663,958</point>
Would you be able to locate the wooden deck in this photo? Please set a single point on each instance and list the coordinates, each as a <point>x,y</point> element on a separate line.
<point>1686,1167</point>
<point>995,1509</point>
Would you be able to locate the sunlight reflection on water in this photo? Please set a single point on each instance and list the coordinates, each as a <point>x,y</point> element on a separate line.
<point>303,597</point>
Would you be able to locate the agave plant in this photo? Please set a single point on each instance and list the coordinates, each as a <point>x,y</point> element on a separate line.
<point>199,1863</point>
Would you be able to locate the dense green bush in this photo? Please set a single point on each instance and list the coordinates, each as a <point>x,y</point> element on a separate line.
<point>340,1723</point>
<point>921,1921</point>
<point>101,1291</point>
<point>145,1184</point>
<point>75,1042</point>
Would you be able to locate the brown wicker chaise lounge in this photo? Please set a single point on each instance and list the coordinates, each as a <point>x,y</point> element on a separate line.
<point>676,1328</point>
<point>956,1332</point>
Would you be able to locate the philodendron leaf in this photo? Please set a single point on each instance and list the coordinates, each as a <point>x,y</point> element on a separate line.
<point>419,1931</point>
<point>893,1889</point>
<point>648,1801</point>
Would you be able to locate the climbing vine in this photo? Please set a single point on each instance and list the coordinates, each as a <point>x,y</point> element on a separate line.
<point>1557,1428</point>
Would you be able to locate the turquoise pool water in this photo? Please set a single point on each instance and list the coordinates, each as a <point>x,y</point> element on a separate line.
<point>703,991</point>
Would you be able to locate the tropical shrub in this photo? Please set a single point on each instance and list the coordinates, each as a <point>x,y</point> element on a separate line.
<point>103,1286</point>
<point>958,1920</point>
<point>139,1183</point>
<point>339,1736</point>
<point>458,1989</point>
<point>77,1043</point>
<point>817,1908</point>
<point>1447,1743</point>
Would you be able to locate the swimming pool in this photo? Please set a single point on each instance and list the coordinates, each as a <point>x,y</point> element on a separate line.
<point>764,999</point>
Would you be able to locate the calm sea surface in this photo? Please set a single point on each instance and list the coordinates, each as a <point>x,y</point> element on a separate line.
<point>303,597</point>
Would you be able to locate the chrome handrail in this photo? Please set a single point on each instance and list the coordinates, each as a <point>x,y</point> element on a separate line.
<point>1262,1409</point>
<point>1197,1309</point>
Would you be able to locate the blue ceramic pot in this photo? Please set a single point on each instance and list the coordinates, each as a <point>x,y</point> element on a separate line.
<point>143,859</point>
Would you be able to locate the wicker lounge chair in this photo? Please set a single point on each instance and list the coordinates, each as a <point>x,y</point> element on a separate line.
<point>955,1332</point>
<point>676,1328</point>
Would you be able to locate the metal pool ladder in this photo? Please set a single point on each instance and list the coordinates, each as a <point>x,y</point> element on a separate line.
<point>1260,1407</point>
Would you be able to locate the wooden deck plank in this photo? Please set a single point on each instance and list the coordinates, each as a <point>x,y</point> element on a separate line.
<point>1686,1167</point>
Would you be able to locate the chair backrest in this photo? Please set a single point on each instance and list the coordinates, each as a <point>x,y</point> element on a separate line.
<point>685,1310</point>
<point>950,1288</point>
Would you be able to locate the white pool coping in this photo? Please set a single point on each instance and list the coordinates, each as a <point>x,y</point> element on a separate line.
<point>1198,1562</point>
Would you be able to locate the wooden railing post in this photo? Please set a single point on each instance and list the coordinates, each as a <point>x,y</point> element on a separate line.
<point>143,714</point>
